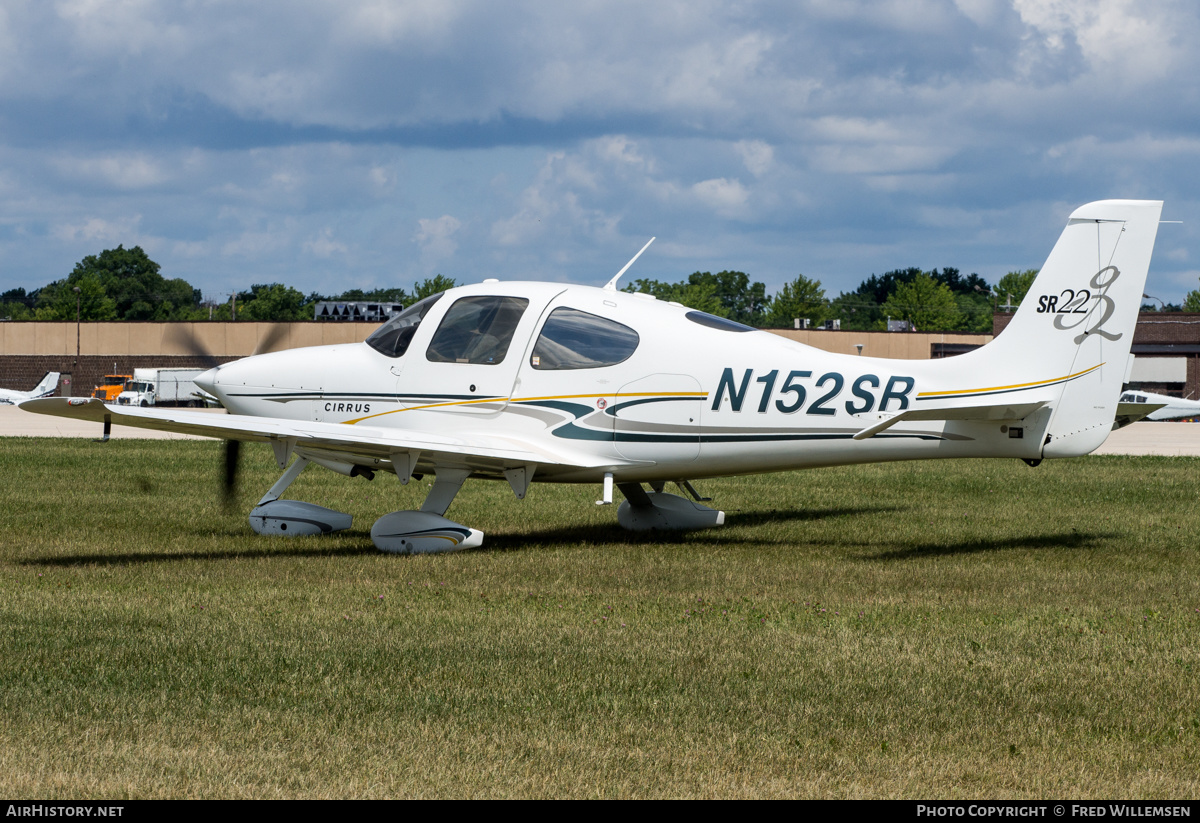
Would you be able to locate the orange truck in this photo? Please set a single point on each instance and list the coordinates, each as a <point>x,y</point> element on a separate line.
<point>112,386</point>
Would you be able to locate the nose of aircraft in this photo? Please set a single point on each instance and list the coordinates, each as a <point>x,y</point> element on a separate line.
<point>207,380</point>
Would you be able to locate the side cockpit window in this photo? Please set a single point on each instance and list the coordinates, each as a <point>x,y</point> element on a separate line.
<point>572,339</point>
<point>477,330</point>
<point>393,337</point>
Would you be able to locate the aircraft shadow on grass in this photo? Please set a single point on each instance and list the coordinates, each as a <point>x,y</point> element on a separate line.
<point>291,549</point>
<point>1072,540</point>
<point>542,539</point>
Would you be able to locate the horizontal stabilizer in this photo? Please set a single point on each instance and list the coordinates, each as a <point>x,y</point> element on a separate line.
<point>999,411</point>
<point>1133,412</point>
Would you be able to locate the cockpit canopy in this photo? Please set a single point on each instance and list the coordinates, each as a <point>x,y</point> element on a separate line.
<point>479,330</point>
<point>393,337</point>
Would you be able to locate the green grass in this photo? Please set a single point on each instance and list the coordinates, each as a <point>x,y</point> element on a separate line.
<point>947,629</point>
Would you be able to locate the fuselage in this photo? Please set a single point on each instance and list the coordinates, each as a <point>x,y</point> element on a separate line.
<point>668,392</point>
<point>1173,408</point>
<point>45,388</point>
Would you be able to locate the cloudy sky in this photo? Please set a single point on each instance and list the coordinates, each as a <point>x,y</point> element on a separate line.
<point>366,143</point>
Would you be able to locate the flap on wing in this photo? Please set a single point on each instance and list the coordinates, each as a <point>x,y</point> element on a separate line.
<point>1001,411</point>
<point>371,441</point>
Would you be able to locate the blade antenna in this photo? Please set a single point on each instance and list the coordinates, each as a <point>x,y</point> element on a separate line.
<point>611,285</point>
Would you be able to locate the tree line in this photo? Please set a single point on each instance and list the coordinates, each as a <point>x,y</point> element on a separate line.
<point>125,284</point>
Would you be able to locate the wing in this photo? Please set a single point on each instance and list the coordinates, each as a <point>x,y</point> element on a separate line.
<point>995,411</point>
<point>483,453</point>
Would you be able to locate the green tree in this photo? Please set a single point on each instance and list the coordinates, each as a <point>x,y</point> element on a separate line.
<point>800,298</point>
<point>13,310</point>
<point>138,291</point>
<point>926,303</point>
<point>57,301</point>
<point>857,310</point>
<point>1016,285</point>
<point>743,301</point>
<point>432,285</point>
<point>1192,301</point>
<point>275,303</point>
<point>15,304</point>
<point>699,296</point>
<point>976,310</point>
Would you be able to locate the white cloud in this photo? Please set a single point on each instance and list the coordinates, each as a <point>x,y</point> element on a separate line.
<point>1128,40</point>
<point>569,133</point>
<point>102,230</point>
<point>756,155</point>
<point>726,197</point>
<point>324,246</point>
<point>436,236</point>
<point>123,170</point>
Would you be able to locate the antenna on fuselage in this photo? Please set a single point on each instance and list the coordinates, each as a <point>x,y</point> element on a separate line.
<point>611,285</point>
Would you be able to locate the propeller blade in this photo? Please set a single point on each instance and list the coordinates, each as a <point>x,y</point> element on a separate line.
<point>233,450</point>
<point>272,338</point>
<point>179,335</point>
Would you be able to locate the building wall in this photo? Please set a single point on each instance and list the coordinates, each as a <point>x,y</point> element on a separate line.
<point>1158,335</point>
<point>29,350</point>
<point>895,345</point>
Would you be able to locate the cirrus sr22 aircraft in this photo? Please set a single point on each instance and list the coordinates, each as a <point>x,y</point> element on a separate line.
<point>545,382</point>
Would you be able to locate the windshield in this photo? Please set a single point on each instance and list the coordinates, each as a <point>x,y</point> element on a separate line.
<point>393,337</point>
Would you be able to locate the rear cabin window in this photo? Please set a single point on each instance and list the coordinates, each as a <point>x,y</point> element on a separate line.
<point>477,330</point>
<point>573,339</point>
<point>393,337</point>
<point>714,322</point>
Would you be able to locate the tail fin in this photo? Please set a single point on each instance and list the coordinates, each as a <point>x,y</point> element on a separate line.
<point>47,386</point>
<point>1076,323</point>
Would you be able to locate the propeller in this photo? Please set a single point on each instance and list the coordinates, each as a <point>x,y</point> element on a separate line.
<point>183,337</point>
<point>233,451</point>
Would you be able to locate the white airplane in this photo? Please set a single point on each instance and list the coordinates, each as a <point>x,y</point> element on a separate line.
<point>1163,407</point>
<point>48,386</point>
<point>546,382</point>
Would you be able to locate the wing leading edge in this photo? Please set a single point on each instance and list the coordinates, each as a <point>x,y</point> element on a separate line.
<point>477,450</point>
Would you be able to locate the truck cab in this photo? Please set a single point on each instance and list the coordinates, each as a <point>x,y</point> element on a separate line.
<point>136,393</point>
<point>111,387</point>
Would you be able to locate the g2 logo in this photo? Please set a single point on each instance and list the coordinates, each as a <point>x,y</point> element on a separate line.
<point>1070,303</point>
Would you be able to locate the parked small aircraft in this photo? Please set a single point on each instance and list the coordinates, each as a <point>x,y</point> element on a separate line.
<point>47,387</point>
<point>1164,407</point>
<point>574,384</point>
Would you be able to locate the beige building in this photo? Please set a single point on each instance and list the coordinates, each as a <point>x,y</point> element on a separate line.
<point>29,350</point>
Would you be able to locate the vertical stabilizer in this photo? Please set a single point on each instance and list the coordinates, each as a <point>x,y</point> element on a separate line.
<point>47,386</point>
<point>1075,327</point>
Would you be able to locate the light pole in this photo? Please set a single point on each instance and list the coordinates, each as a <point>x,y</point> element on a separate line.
<point>77,293</point>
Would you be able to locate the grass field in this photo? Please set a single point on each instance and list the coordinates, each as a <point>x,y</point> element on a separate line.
<point>951,629</point>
